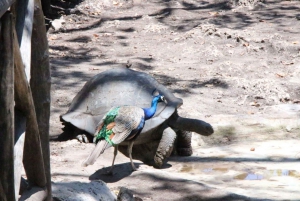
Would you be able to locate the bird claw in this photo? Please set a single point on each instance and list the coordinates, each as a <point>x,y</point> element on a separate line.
<point>134,168</point>
<point>82,138</point>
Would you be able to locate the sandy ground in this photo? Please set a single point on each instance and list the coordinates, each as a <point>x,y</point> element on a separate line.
<point>235,67</point>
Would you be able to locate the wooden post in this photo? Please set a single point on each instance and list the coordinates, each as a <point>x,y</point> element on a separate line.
<point>25,110</point>
<point>20,125</point>
<point>4,5</point>
<point>23,12</point>
<point>33,156</point>
<point>24,18</point>
<point>7,109</point>
<point>41,83</point>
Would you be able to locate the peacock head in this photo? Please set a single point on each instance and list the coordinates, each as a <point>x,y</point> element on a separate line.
<point>159,98</point>
<point>149,112</point>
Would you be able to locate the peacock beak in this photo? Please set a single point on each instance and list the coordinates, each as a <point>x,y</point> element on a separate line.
<point>162,98</point>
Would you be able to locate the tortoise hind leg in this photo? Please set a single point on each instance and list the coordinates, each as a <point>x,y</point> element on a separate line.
<point>165,147</point>
<point>183,143</point>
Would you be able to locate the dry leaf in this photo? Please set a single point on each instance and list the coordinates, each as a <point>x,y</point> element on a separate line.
<point>296,101</point>
<point>255,104</point>
<point>209,85</point>
<point>156,71</point>
<point>54,37</point>
<point>94,68</point>
<point>287,63</point>
<point>213,13</point>
<point>281,75</point>
<point>246,44</point>
<point>229,45</point>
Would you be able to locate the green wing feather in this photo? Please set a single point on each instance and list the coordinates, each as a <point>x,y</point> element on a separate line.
<point>125,119</point>
<point>104,133</point>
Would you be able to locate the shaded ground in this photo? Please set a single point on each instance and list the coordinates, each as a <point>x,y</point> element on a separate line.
<point>235,67</point>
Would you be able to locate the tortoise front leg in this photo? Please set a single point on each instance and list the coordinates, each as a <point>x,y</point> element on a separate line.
<point>165,147</point>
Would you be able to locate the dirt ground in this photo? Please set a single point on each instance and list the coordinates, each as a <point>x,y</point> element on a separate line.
<point>235,66</point>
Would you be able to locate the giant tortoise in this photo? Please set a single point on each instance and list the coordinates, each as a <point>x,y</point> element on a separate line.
<point>122,86</point>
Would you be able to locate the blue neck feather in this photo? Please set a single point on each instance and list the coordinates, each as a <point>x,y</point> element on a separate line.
<point>149,112</point>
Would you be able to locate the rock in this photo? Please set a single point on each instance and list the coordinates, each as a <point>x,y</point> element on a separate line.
<point>80,191</point>
<point>288,128</point>
<point>57,24</point>
<point>125,195</point>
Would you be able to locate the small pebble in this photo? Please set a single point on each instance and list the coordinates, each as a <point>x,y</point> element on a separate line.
<point>288,128</point>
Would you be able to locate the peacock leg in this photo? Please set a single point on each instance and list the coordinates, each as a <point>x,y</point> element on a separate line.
<point>113,162</point>
<point>129,153</point>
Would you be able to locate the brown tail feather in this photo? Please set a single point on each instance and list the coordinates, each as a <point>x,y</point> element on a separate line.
<point>98,150</point>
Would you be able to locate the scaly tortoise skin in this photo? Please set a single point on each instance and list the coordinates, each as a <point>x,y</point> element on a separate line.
<point>122,86</point>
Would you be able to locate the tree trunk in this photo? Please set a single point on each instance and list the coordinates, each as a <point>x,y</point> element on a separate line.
<point>7,109</point>
<point>40,84</point>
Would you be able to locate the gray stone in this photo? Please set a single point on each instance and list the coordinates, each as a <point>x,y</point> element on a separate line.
<point>80,191</point>
<point>57,24</point>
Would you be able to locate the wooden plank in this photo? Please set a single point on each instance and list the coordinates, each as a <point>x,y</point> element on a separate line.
<point>24,18</point>
<point>20,125</point>
<point>40,84</point>
<point>23,10</point>
<point>4,5</point>
<point>33,157</point>
<point>2,193</point>
<point>7,108</point>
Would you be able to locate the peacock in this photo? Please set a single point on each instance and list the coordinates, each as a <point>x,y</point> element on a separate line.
<point>121,123</point>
